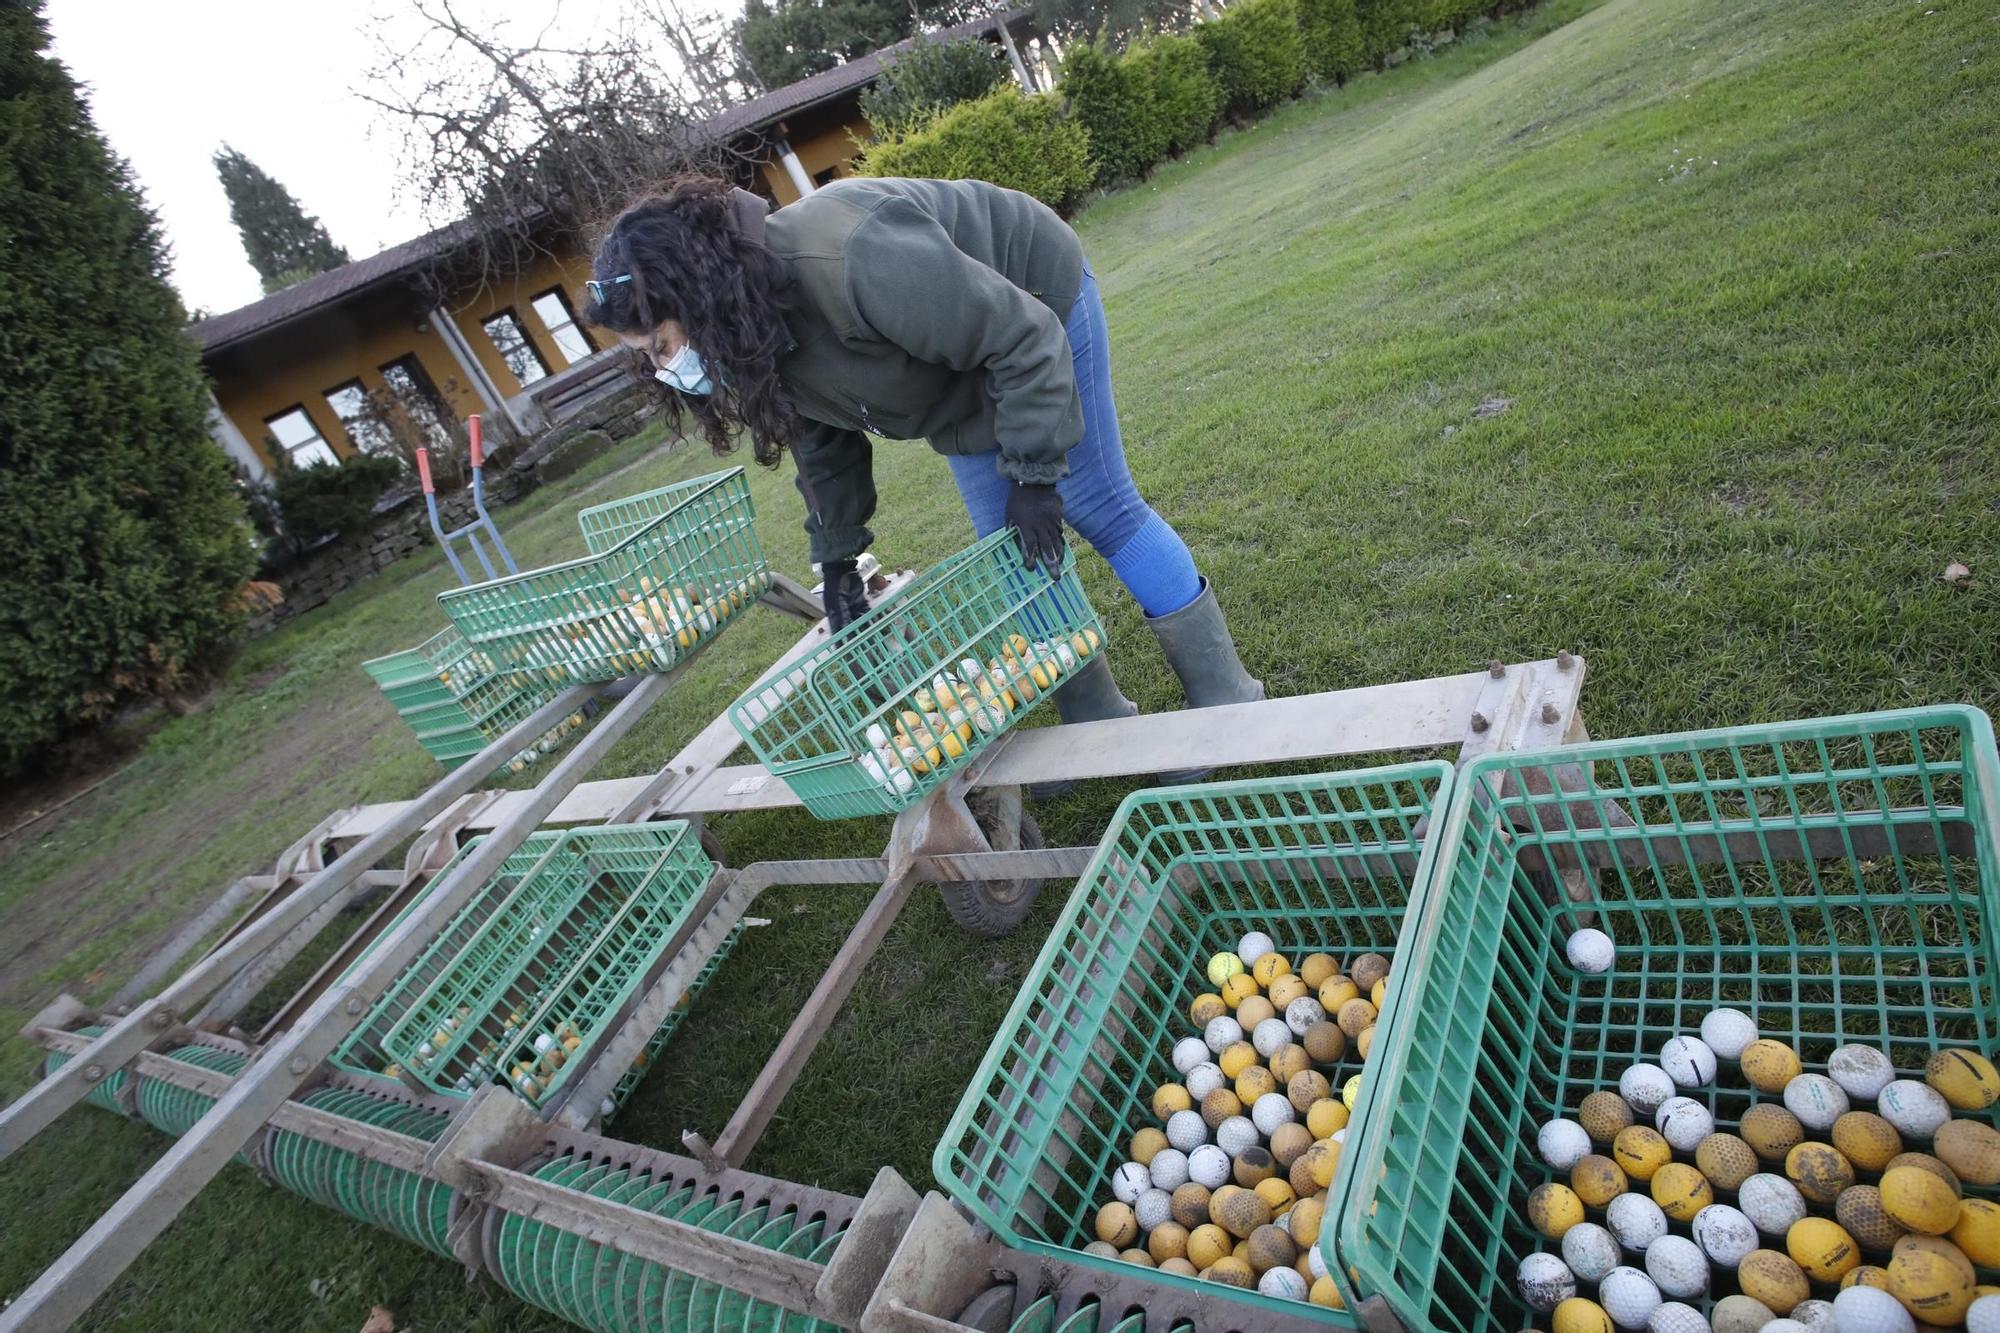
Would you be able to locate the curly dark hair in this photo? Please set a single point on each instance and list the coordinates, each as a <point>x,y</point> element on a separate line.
<point>690,263</point>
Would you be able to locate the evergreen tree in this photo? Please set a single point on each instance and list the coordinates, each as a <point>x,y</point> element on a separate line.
<point>126,537</point>
<point>782,41</point>
<point>285,243</point>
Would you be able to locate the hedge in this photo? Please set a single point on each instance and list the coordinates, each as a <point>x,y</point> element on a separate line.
<point>1024,143</point>
<point>1386,26</point>
<point>1186,96</point>
<point>1331,30</point>
<point>1118,107</point>
<point>1256,53</point>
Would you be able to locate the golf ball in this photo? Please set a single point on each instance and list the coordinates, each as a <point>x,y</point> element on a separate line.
<point>1208,1165</point>
<point>1189,1052</point>
<point>1591,951</point>
<point>1677,1266</point>
<point>1270,1037</point>
<point>1628,1296</point>
<point>1984,1316</point>
<point>1816,1100</point>
<point>1785,1325</point>
<point>1221,1033</point>
<point>1204,1078</point>
<point>1688,1061</point>
<point>1816,1316</point>
<point>1914,1108</point>
<point>1727,1032</point>
<point>1741,1314</point>
<point>1644,1087</point>
<point>1674,1317</point>
<point>1270,1111</point>
<point>1771,1202</point>
<point>1683,1122</point>
<point>1590,1251</point>
<point>1169,1169</point>
<point>1153,1208</point>
<point>1254,946</point>
<point>1861,1071</point>
<point>1636,1221</point>
<point>1186,1130</point>
<point>1724,1234</point>
<point>1862,1309</point>
<point>1284,1283</point>
<point>1562,1143</point>
<point>1302,1013</point>
<point>1235,1134</point>
<point>1544,1281</point>
<point>1129,1181</point>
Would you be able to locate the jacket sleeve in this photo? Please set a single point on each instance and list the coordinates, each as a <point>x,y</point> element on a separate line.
<point>837,478</point>
<point>918,290</point>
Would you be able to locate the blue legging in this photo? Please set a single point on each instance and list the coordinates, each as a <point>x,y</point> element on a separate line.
<point>1099,499</point>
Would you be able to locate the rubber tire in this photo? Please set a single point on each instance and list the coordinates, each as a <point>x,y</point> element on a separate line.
<point>987,908</point>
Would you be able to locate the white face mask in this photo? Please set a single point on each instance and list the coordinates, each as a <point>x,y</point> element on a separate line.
<point>684,371</point>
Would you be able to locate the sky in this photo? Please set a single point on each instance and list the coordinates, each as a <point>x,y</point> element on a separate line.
<point>168,83</point>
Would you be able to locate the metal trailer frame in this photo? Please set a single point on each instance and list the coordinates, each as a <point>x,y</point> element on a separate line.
<point>1531,705</point>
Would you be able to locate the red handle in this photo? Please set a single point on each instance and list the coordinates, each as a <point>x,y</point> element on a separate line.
<point>478,450</point>
<point>424,469</point>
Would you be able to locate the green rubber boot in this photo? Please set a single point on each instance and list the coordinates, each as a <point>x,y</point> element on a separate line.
<point>1197,645</point>
<point>1090,695</point>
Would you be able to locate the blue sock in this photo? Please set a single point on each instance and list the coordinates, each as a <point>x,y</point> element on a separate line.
<point>1157,569</point>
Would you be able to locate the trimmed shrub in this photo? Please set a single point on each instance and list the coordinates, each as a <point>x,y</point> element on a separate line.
<point>1331,30</point>
<point>1024,143</point>
<point>1128,132</point>
<point>930,77</point>
<point>1386,26</point>
<point>311,504</point>
<point>1185,96</point>
<point>1256,53</point>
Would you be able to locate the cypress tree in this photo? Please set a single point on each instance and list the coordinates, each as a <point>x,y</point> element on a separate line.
<point>285,243</point>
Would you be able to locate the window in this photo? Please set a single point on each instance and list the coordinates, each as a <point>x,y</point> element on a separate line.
<point>512,340</point>
<point>299,438</point>
<point>406,379</point>
<point>554,310</point>
<point>366,430</point>
<point>828,176</point>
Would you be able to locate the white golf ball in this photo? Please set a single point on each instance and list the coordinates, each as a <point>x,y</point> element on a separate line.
<point>1635,1220</point>
<point>1129,1181</point>
<point>1591,951</point>
<point>1817,1316</point>
<point>1785,1325</point>
<point>1562,1143</point>
<point>1208,1165</point>
<point>1984,1316</point>
<point>1913,1108</point>
<point>1677,1266</point>
<point>1740,1314</point>
<point>1284,1283</point>
<point>1302,1013</point>
<point>1688,1061</point>
<point>1253,946</point>
<point>1590,1251</point>
<point>1203,1079</point>
<point>1272,1110</point>
<point>1727,1032</point>
<point>1816,1100</point>
<point>1683,1122</point>
<point>1270,1037</point>
<point>1544,1281</point>
<point>1186,1130</point>
<point>1628,1296</point>
<point>1725,1234</point>
<point>1315,1263</point>
<point>1235,1134</point>
<point>1222,1033</point>
<point>1673,1317</point>
<point>1861,1309</point>
<point>1861,1071</point>
<point>1771,1202</point>
<point>1644,1087</point>
<point>1189,1052</point>
<point>1169,1169</point>
<point>1154,1207</point>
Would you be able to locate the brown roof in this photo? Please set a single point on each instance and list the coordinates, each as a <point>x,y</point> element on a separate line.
<point>399,262</point>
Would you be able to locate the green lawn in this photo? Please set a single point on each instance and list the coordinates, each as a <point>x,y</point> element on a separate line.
<point>1730,265</point>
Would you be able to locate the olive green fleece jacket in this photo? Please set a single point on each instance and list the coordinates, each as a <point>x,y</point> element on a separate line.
<point>930,310</point>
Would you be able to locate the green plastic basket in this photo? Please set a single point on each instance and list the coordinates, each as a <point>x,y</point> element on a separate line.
<point>604,526</point>
<point>818,726</point>
<point>630,1080</point>
<point>540,958</point>
<point>457,697</point>
<point>643,603</point>
<point>1329,862</point>
<point>1887,936</point>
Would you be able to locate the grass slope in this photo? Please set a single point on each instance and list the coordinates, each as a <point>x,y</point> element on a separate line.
<point>1729,266</point>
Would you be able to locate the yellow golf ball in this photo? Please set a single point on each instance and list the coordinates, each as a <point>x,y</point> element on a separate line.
<point>1224,966</point>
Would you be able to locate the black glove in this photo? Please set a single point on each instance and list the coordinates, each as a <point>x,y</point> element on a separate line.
<point>1036,513</point>
<point>845,594</point>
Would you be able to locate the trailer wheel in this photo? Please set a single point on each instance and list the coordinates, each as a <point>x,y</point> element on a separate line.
<point>990,908</point>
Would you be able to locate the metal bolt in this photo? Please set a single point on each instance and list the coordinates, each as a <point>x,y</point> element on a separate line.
<point>299,1064</point>
<point>354,1005</point>
<point>1564,659</point>
<point>1480,721</point>
<point>159,1018</point>
<point>92,1073</point>
<point>1496,668</point>
<point>1549,715</point>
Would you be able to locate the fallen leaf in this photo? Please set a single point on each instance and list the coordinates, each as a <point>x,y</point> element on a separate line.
<point>379,1321</point>
<point>1956,573</point>
<point>1492,407</point>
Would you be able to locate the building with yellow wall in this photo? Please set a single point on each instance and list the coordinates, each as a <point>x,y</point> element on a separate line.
<point>291,371</point>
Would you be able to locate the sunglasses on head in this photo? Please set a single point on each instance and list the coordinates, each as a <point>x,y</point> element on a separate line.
<point>596,287</point>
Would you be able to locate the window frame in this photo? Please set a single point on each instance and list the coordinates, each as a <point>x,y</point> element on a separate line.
<point>555,332</point>
<point>513,316</point>
<point>354,441</point>
<point>291,450</point>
